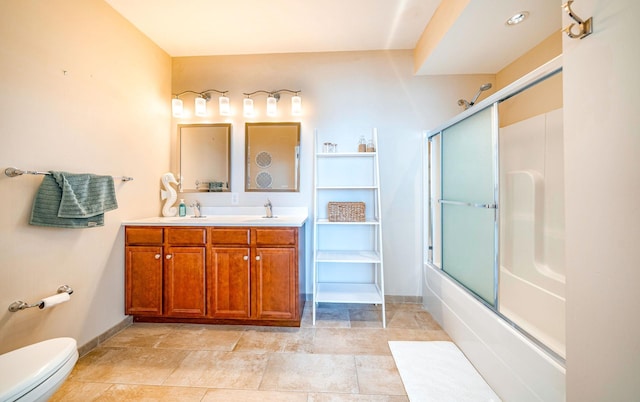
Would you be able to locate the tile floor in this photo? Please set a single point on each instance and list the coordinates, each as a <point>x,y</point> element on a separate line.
<point>345,357</point>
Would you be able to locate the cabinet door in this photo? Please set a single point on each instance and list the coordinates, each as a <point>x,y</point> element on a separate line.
<point>277,280</point>
<point>184,275</point>
<point>229,282</point>
<point>143,280</point>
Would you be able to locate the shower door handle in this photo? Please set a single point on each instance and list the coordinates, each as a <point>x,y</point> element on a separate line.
<point>469,204</point>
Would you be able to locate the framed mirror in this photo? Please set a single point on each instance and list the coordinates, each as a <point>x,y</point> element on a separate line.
<point>272,157</point>
<point>205,157</point>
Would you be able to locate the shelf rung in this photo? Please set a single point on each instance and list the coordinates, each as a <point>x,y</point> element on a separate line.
<point>348,293</point>
<point>348,256</point>
<point>325,221</point>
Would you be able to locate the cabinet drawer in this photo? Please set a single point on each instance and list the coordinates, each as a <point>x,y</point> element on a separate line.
<point>186,236</point>
<point>276,237</point>
<point>238,236</point>
<point>143,235</point>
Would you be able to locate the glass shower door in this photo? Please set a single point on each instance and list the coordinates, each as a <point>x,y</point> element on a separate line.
<point>468,203</point>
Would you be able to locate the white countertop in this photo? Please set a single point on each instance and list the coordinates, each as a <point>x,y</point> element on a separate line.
<point>230,216</point>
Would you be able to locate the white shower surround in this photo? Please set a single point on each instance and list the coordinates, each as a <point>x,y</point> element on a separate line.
<point>532,267</point>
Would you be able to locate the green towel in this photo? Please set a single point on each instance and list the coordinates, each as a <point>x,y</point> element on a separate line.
<point>73,200</point>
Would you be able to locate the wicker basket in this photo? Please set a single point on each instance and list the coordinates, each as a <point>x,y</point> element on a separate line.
<point>346,211</point>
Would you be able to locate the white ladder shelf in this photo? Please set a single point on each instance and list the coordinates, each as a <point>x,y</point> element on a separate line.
<point>347,256</point>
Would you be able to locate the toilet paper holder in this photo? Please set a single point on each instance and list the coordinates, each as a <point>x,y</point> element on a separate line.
<point>21,305</point>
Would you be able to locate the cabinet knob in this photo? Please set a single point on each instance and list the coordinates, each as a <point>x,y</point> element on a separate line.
<point>257,258</point>
<point>246,258</point>
<point>157,256</point>
<point>168,257</point>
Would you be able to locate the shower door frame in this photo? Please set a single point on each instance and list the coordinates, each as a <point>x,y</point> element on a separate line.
<point>545,71</point>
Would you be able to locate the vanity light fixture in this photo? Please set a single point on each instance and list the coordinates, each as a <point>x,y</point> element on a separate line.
<point>200,103</point>
<point>201,106</point>
<point>272,105</point>
<point>247,107</point>
<point>176,107</point>
<point>296,105</point>
<point>517,18</point>
<point>272,102</point>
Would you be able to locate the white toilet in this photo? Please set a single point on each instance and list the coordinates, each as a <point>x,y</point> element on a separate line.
<point>35,372</point>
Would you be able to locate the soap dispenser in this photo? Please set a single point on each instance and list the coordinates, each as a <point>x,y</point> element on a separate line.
<point>182,208</point>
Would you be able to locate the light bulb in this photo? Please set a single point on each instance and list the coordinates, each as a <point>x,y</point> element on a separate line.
<point>223,103</point>
<point>247,107</point>
<point>176,107</point>
<point>272,106</point>
<point>201,106</point>
<point>296,105</point>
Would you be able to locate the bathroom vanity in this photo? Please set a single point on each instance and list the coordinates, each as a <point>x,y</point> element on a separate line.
<point>232,269</point>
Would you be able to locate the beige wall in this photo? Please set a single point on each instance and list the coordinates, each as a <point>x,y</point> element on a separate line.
<point>540,99</point>
<point>108,114</point>
<point>602,167</point>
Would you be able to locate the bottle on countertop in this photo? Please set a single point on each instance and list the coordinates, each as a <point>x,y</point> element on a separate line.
<point>182,208</point>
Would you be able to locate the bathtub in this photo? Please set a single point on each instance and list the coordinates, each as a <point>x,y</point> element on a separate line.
<point>514,366</point>
<point>535,309</point>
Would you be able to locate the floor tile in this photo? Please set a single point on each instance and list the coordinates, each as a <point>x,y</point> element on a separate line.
<point>378,375</point>
<point>360,318</point>
<point>214,369</point>
<point>74,391</point>
<point>331,317</point>
<point>351,341</point>
<point>140,335</point>
<point>310,373</point>
<point>201,337</point>
<point>227,395</point>
<point>127,365</point>
<point>331,397</point>
<point>123,392</point>
<point>275,339</point>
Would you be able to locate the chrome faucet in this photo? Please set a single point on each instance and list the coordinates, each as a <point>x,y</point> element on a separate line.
<point>269,209</point>
<point>196,209</point>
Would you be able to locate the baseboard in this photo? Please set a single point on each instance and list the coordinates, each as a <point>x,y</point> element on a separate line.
<point>98,340</point>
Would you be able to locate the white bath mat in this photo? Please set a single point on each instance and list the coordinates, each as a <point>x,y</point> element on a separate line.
<point>439,372</point>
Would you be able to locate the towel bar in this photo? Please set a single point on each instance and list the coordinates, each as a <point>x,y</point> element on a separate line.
<point>14,172</point>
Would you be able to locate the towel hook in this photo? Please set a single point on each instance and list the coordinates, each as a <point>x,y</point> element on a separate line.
<point>586,27</point>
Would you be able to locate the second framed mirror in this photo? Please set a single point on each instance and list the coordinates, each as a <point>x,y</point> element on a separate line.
<point>272,157</point>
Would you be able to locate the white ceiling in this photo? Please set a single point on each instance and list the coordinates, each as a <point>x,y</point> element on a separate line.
<point>478,42</point>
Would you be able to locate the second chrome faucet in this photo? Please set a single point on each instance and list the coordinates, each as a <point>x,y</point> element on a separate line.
<point>196,209</point>
<point>268,209</point>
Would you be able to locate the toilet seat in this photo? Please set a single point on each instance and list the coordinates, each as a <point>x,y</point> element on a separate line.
<point>29,373</point>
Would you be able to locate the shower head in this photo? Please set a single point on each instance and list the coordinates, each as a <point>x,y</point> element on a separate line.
<point>483,88</point>
<point>463,103</point>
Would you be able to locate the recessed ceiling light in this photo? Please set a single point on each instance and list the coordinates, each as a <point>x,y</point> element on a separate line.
<point>517,18</point>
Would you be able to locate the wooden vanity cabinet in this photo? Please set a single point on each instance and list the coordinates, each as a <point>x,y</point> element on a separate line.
<point>143,271</point>
<point>276,272</point>
<point>184,272</point>
<point>165,272</point>
<point>229,273</point>
<point>254,274</point>
<point>226,275</point>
